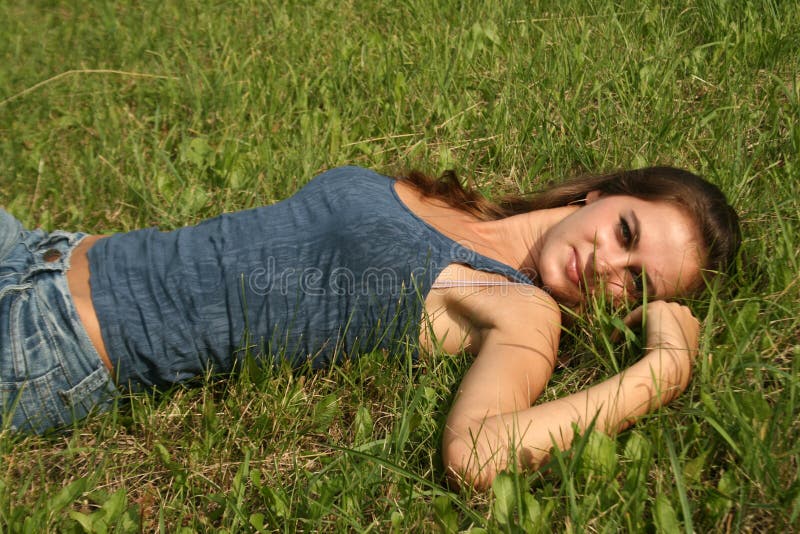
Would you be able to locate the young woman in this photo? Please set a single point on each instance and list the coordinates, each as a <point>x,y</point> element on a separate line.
<point>356,261</point>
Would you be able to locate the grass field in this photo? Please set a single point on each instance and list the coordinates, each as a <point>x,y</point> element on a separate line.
<point>118,115</point>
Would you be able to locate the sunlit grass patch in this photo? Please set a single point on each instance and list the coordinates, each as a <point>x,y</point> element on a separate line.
<point>175,112</point>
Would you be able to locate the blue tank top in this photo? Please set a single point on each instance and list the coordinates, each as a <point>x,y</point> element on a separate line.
<point>340,268</point>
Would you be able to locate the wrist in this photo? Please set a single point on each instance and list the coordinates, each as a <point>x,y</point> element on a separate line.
<point>671,367</point>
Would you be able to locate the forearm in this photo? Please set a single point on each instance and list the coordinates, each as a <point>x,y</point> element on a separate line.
<point>488,439</point>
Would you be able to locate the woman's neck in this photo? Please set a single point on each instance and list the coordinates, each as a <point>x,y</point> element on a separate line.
<point>515,241</point>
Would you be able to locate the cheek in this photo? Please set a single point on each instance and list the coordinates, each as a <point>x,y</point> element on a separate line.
<point>691,282</point>
<point>681,279</point>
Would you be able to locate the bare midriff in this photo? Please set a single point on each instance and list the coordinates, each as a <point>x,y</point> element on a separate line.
<point>78,281</point>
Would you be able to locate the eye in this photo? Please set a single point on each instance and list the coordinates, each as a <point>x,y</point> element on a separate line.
<point>637,277</point>
<point>625,233</point>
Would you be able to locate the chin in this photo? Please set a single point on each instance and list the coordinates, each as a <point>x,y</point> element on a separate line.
<point>565,298</point>
<point>569,302</point>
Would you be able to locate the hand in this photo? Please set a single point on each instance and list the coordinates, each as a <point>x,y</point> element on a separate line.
<point>670,330</point>
<point>667,325</point>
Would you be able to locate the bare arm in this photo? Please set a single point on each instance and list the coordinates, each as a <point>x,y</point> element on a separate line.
<point>487,423</point>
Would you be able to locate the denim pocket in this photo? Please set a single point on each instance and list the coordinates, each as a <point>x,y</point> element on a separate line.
<point>30,370</point>
<point>95,390</point>
<point>34,351</point>
<point>31,404</point>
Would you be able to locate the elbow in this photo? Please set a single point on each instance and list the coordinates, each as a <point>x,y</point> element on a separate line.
<point>473,457</point>
<point>465,462</point>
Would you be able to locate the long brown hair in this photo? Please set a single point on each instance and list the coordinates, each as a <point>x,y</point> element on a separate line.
<point>716,221</point>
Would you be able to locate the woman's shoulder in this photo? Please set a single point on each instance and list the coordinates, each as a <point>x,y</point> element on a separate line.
<point>490,301</point>
<point>466,318</point>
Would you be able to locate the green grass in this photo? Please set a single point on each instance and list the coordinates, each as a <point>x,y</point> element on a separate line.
<point>117,115</point>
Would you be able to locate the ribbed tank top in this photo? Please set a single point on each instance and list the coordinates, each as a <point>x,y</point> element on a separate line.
<point>341,267</point>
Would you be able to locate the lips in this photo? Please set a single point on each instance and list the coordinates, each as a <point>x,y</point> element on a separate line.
<point>572,268</point>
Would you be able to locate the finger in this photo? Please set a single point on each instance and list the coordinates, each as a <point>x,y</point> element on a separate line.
<point>633,318</point>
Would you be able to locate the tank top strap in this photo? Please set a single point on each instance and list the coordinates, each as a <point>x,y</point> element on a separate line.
<point>454,252</point>
<point>479,262</point>
<point>446,284</point>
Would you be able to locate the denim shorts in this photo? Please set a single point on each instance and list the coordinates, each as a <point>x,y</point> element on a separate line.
<point>50,373</point>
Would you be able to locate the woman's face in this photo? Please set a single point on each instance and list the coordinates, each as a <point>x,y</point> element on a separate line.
<point>623,244</point>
